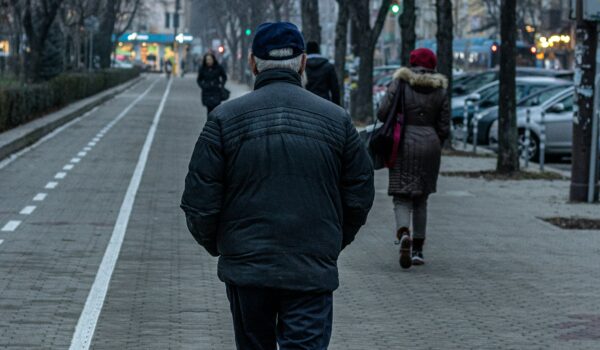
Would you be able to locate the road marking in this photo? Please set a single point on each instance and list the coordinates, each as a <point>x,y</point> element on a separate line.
<point>87,149</point>
<point>1,241</point>
<point>60,175</point>
<point>459,194</point>
<point>75,160</point>
<point>92,144</point>
<point>51,185</point>
<point>86,326</point>
<point>39,197</point>
<point>81,154</point>
<point>27,210</point>
<point>68,167</point>
<point>51,135</point>
<point>96,139</point>
<point>11,226</point>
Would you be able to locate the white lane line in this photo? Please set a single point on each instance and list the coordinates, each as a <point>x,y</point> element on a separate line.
<point>96,139</point>
<point>51,185</point>
<point>86,326</point>
<point>1,241</point>
<point>68,167</point>
<point>57,131</point>
<point>39,197</point>
<point>27,210</point>
<point>75,160</point>
<point>11,226</point>
<point>60,175</point>
<point>87,149</point>
<point>81,154</point>
<point>92,144</point>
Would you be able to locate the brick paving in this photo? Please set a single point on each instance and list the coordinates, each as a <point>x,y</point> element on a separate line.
<point>496,276</point>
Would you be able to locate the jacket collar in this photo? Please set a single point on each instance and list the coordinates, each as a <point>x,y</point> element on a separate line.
<point>421,77</point>
<point>277,75</point>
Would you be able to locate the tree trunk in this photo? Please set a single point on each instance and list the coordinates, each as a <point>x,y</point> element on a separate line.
<point>341,44</point>
<point>276,5</point>
<point>444,38</point>
<point>508,152</point>
<point>311,27</point>
<point>585,52</point>
<point>103,44</point>
<point>355,38</point>
<point>359,10</point>
<point>364,93</point>
<point>407,22</point>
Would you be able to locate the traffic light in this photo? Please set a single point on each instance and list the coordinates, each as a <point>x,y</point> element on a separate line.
<point>495,55</point>
<point>248,32</point>
<point>396,7</point>
<point>221,49</point>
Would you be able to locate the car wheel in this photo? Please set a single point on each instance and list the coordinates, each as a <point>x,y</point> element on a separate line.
<point>534,145</point>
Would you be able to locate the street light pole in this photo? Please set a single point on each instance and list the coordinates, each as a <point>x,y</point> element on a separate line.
<point>585,71</point>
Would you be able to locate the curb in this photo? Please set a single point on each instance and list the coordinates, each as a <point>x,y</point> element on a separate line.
<point>27,134</point>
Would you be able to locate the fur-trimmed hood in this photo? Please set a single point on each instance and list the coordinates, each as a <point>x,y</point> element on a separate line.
<point>421,78</point>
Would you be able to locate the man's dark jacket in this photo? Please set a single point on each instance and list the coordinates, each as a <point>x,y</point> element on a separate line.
<point>322,79</point>
<point>278,184</point>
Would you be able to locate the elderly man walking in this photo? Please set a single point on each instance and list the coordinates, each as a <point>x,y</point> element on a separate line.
<point>279,183</point>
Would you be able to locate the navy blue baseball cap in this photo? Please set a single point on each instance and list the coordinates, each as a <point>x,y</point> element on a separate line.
<point>274,36</point>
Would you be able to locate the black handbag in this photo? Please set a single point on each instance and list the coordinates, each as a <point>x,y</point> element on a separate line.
<point>225,94</point>
<point>384,141</point>
<point>377,160</point>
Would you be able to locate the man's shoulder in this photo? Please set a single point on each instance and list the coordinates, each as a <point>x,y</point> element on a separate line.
<point>291,99</point>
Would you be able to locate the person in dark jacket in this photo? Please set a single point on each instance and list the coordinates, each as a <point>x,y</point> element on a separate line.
<point>211,79</point>
<point>426,126</point>
<point>278,184</point>
<point>321,76</point>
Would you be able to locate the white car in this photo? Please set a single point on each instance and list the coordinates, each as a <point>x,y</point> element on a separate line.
<point>558,121</point>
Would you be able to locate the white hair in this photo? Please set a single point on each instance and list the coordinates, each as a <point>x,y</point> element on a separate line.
<point>294,64</point>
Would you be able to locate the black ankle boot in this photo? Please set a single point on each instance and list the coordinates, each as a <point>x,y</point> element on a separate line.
<point>417,251</point>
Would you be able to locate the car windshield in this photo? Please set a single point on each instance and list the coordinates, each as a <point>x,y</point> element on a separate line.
<point>474,82</point>
<point>540,97</point>
<point>385,80</point>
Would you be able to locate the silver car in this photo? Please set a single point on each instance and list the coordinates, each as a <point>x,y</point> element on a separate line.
<point>558,121</point>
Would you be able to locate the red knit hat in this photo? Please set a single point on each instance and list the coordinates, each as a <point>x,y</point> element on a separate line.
<point>423,58</point>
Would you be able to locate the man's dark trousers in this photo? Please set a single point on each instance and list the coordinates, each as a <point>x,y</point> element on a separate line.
<point>265,317</point>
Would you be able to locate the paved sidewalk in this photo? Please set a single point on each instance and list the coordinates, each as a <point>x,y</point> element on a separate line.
<point>496,276</point>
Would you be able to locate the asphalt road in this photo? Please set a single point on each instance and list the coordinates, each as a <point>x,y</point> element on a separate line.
<point>94,251</point>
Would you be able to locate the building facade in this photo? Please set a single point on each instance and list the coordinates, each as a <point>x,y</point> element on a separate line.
<point>160,32</point>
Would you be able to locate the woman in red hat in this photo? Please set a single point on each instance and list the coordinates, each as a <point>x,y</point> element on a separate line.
<point>423,103</point>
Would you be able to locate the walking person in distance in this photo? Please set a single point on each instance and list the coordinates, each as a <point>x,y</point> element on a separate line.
<point>413,176</point>
<point>278,184</point>
<point>321,76</point>
<point>211,79</point>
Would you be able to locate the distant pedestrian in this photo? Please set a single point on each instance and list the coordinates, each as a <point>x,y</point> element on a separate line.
<point>182,65</point>
<point>279,183</point>
<point>211,79</point>
<point>321,76</point>
<point>168,68</point>
<point>414,174</point>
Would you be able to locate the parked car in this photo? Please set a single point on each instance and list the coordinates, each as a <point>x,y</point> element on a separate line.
<point>558,121</point>
<point>488,117</point>
<point>473,81</point>
<point>122,64</point>
<point>488,95</point>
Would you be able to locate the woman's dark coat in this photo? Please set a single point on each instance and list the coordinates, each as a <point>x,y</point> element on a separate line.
<point>211,80</point>
<point>427,125</point>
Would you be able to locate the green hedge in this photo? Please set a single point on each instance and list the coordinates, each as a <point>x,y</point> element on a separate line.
<point>20,103</point>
